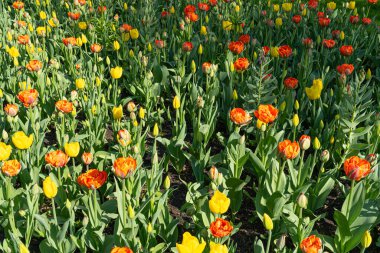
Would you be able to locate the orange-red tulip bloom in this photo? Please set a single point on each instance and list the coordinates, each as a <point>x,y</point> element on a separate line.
<point>56,158</point>
<point>124,166</point>
<point>356,168</point>
<point>266,113</point>
<point>220,228</point>
<point>311,244</point>
<point>92,179</point>
<point>240,116</point>
<point>28,97</point>
<point>288,149</point>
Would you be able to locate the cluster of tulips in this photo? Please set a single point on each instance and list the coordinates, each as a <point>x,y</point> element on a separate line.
<point>265,114</point>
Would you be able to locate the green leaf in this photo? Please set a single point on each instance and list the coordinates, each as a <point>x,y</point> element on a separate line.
<point>343,226</point>
<point>357,196</point>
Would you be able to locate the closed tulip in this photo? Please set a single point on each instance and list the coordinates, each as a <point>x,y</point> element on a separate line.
<point>117,112</point>
<point>72,149</point>
<point>176,102</point>
<point>116,72</point>
<point>50,188</point>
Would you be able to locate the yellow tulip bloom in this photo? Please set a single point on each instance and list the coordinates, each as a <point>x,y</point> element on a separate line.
<point>116,72</point>
<point>5,151</point>
<point>72,149</point>
<point>117,112</point>
<point>219,203</point>
<point>314,92</point>
<point>21,140</point>
<point>50,188</point>
<point>134,34</point>
<point>190,244</point>
<point>218,248</point>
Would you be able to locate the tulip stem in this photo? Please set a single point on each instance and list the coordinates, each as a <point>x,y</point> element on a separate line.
<point>54,212</point>
<point>300,168</point>
<point>269,240</point>
<point>350,198</point>
<point>124,204</point>
<point>362,250</point>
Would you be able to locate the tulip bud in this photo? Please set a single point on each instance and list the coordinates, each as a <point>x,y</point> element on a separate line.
<point>141,113</point>
<point>167,182</point>
<point>316,144</point>
<point>368,74</point>
<point>200,49</point>
<point>23,248</point>
<point>4,135</point>
<point>295,120</point>
<point>235,95</point>
<point>283,106</point>
<point>155,130</point>
<point>268,223</point>
<point>200,102</point>
<point>302,200</point>
<point>296,105</point>
<point>341,35</point>
<point>366,239</point>
<point>193,67</point>
<point>131,212</point>
<point>149,229</point>
<point>85,221</point>
<point>22,213</point>
<point>232,67</point>
<point>321,124</point>
<point>176,103</point>
<point>325,156</point>
<point>213,173</point>
<point>319,39</point>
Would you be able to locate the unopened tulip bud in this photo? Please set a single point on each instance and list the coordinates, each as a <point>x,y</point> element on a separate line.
<point>220,179</point>
<point>254,55</point>
<point>131,106</point>
<point>149,229</point>
<point>366,239</point>
<point>332,140</point>
<point>132,115</point>
<point>193,67</point>
<point>362,75</point>
<point>87,158</point>
<point>131,212</point>
<point>283,106</point>
<point>155,130</point>
<point>176,103</point>
<point>235,95</point>
<point>268,223</point>
<point>22,213</point>
<point>321,124</point>
<point>368,74</point>
<point>68,204</point>
<point>213,173</point>
<point>242,140</point>
<point>85,221</point>
<point>296,105</point>
<point>4,135</point>
<point>302,200</point>
<point>232,67</point>
<point>295,120</point>
<point>319,39</point>
<point>200,49</point>
<point>341,35</point>
<point>316,144</point>
<point>200,102</point>
<point>325,156</point>
<point>141,113</point>
<point>167,182</point>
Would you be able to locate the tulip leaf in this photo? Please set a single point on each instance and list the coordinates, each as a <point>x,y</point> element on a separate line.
<point>357,197</point>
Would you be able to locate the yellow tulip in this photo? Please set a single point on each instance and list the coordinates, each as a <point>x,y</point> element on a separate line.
<point>142,113</point>
<point>84,39</point>
<point>276,7</point>
<point>155,130</point>
<point>134,33</point>
<point>117,112</point>
<point>314,92</point>
<point>295,120</point>
<point>219,203</point>
<point>42,15</point>
<point>80,83</point>
<point>41,31</point>
<point>176,102</point>
<point>366,239</point>
<point>49,187</point>
<point>5,151</point>
<point>21,140</point>
<point>316,143</point>
<point>274,51</point>
<point>203,30</point>
<point>278,22</point>
<point>172,10</point>
<point>351,5</point>
<point>227,25</point>
<point>72,149</point>
<point>287,7</point>
<point>218,248</point>
<point>116,72</point>
<point>82,25</point>
<point>116,45</point>
<point>23,248</point>
<point>13,52</point>
<point>268,223</point>
<point>190,244</point>
<point>331,5</point>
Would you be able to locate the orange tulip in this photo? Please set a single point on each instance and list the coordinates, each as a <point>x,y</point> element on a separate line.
<point>266,113</point>
<point>236,47</point>
<point>70,41</point>
<point>57,158</point>
<point>87,158</point>
<point>96,48</point>
<point>288,149</point>
<point>34,65</point>
<point>124,166</point>
<point>64,106</point>
<point>28,97</point>
<point>92,179</point>
<point>220,228</point>
<point>23,39</point>
<point>11,168</point>
<point>121,250</point>
<point>241,64</point>
<point>240,117</point>
<point>356,168</point>
<point>11,109</point>
<point>311,244</point>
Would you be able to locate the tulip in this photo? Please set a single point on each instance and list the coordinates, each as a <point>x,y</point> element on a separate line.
<point>219,203</point>
<point>302,201</point>
<point>366,239</point>
<point>295,120</point>
<point>116,45</point>
<point>80,83</point>
<point>50,188</point>
<point>5,151</point>
<point>316,144</point>
<point>176,103</point>
<point>134,34</point>
<point>155,130</point>
<point>218,248</point>
<point>21,140</point>
<point>117,112</point>
<point>167,182</point>
<point>72,149</point>
<point>23,248</point>
<point>116,72</point>
<point>190,244</point>
<point>268,223</point>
